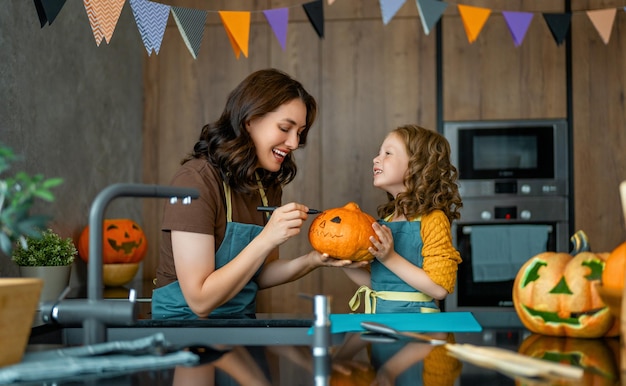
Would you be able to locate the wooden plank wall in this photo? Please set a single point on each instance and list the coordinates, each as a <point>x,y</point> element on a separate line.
<point>368,78</point>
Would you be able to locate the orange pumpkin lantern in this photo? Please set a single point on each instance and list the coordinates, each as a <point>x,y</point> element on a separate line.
<point>598,357</point>
<point>615,268</point>
<point>123,242</point>
<point>555,294</point>
<point>343,233</point>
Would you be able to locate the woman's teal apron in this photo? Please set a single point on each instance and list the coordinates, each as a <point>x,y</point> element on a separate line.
<point>168,302</point>
<point>389,293</point>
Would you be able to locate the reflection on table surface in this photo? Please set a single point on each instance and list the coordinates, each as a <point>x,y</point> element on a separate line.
<point>362,359</point>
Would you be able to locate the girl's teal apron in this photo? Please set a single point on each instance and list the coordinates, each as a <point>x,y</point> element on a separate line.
<point>168,302</point>
<point>389,293</point>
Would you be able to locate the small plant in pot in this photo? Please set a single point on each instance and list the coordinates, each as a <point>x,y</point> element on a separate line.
<point>49,257</point>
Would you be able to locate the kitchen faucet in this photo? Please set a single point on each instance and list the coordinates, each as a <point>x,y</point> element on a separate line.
<point>95,312</point>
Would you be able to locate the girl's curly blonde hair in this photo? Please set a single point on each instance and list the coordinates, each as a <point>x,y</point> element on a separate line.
<point>431,179</point>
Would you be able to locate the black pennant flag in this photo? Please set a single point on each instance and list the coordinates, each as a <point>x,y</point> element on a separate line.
<point>315,12</point>
<point>559,25</point>
<point>47,10</point>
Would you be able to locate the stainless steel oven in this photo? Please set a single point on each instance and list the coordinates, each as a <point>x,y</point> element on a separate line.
<point>514,182</point>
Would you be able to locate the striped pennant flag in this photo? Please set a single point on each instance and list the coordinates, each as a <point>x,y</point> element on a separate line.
<point>151,19</point>
<point>103,16</point>
<point>190,23</point>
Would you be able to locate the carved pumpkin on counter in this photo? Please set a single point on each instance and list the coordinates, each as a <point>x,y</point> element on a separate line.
<point>598,357</point>
<point>555,294</point>
<point>343,233</point>
<point>123,242</point>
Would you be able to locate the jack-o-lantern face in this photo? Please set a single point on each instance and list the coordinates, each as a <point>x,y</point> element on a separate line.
<point>598,357</point>
<point>555,294</point>
<point>343,233</point>
<point>123,242</point>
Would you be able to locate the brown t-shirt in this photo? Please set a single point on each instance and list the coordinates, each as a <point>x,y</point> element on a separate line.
<point>207,214</point>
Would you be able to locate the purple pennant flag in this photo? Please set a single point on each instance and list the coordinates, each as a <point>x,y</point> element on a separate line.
<point>278,19</point>
<point>518,23</point>
<point>151,19</point>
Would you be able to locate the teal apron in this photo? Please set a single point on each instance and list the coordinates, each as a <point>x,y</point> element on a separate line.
<point>168,302</point>
<point>389,293</point>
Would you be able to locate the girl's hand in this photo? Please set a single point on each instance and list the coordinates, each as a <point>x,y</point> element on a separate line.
<point>284,223</point>
<point>324,260</point>
<point>382,248</point>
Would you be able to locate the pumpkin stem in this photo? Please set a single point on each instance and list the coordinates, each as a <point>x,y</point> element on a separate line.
<point>580,243</point>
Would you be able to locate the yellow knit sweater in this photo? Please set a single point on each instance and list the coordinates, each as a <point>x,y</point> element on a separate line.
<point>441,259</point>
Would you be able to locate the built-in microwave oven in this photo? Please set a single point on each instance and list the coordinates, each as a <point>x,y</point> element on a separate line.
<point>514,183</point>
<point>527,157</point>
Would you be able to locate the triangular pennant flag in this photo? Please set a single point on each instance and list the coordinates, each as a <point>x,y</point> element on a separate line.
<point>278,19</point>
<point>47,10</point>
<point>315,12</point>
<point>151,19</point>
<point>558,24</point>
<point>103,16</point>
<point>474,18</point>
<point>190,23</point>
<point>389,8</point>
<point>518,23</point>
<point>603,20</point>
<point>430,12</point>
<point>237,26</point>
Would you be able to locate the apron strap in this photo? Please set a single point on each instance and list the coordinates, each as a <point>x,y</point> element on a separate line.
<point>229,207</point>
<point>262,193</point>
<point>370,297</point>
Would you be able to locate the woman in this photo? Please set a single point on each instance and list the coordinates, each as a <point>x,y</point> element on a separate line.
<point>217,252</point>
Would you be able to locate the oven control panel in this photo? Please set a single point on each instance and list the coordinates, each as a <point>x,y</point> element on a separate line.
<point>524,188</point>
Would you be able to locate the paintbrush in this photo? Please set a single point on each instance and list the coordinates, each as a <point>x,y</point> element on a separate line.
<point>273,208</point>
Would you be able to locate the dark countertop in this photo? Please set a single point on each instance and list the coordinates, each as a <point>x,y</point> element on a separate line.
<point>275,350</point>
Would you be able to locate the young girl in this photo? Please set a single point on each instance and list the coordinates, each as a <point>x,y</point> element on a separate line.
<point>415,262</point>
<point>217,252</point>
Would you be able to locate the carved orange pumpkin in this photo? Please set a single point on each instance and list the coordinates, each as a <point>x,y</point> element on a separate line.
<point>555,294</point>
<point>343,233</point>
<point>123,242</point>
<point>598,357</point>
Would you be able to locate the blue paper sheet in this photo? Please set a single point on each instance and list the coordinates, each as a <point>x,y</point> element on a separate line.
<point>417,322</point>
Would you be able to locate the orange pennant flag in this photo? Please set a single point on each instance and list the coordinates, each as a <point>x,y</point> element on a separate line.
<point>474,18</point>
<point>237,26</point>
<point>603,20</point>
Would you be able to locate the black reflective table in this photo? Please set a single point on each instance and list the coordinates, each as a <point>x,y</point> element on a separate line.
<point>276,350</point>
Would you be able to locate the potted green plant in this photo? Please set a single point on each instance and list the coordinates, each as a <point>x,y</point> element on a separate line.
<point>18,296</point>
<point>50,257</point>
<point>17,196</point>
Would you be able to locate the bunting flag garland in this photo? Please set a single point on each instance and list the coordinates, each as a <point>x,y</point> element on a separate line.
<point>47,10</point>
<point>190,23</point>
<point>603,20</point>
<point>474,18</point>
<point>151,19</point>
<point>278,19</point>
<point>518,23</point>
<point>237,26</point>
<point>103,17</point>
<point>558,24</point>
<point>389,8</point>
<point>315,12</point>
<point>430,12</point>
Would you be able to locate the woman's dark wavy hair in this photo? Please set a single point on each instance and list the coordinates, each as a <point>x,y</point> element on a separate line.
<point>431,179</point>
<point>226,143</point>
